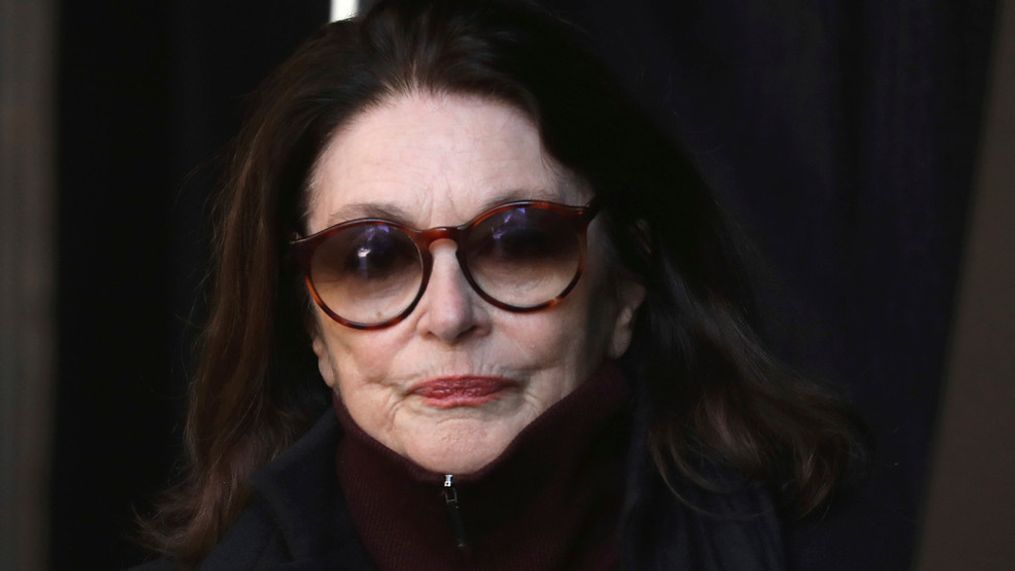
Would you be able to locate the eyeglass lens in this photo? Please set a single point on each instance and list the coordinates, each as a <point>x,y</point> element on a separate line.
<point>521,257</point>
<point>367,273</point>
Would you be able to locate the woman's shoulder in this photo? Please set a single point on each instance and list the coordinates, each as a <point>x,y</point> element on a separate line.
<point>254,541</point>
<point>163,564</point>
<point>294,514</point>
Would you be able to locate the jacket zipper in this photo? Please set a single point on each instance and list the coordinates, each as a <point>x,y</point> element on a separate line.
<point>455,512</point>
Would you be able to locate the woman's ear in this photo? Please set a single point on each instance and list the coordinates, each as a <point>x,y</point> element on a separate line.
<point>630,295</point>
<point>324,362</point>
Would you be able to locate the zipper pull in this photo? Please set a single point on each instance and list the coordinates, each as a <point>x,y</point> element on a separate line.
<point>454,512</point>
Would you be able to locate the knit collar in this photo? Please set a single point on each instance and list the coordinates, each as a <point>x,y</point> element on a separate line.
<point>550,500</point>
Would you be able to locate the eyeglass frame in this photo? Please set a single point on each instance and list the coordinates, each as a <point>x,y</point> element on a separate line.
<point>303,248</point>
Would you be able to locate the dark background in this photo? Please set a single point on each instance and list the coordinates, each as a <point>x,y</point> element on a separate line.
<point>843,134</point>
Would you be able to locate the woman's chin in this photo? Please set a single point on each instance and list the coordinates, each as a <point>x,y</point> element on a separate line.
<point>459,446</point>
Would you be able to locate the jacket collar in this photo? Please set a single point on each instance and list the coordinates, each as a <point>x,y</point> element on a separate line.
<point>738,530</point>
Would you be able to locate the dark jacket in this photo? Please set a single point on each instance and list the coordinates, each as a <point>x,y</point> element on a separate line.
<point>297,518</point>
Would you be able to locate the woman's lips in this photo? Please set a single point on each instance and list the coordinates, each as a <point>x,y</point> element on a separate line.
<point>450,392</point>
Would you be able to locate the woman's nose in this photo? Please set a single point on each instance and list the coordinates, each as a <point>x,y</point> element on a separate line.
<point>450,309</point>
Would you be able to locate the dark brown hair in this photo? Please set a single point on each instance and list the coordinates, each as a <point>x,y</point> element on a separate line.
<point>718,397</point>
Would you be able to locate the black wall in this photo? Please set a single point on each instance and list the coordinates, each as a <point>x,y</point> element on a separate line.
<point>149,93</point>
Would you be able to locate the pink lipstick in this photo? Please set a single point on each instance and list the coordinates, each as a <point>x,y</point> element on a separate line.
<point>450,392</point>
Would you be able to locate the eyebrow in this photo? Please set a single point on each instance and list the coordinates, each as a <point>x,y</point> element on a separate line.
<point>385,210</point>
<point>395,213</point>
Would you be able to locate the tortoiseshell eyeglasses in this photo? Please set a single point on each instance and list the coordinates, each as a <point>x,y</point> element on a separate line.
<point>521,256</point>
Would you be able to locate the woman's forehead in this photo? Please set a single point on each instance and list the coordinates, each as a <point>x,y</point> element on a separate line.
<point>434,160</point>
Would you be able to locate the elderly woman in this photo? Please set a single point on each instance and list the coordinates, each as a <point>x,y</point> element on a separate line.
<point>472,310</point>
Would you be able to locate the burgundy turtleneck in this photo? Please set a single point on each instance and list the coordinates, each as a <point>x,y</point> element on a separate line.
<point>551,500</point>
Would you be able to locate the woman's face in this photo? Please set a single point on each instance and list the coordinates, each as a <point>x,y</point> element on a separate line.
<point>441,160</point>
